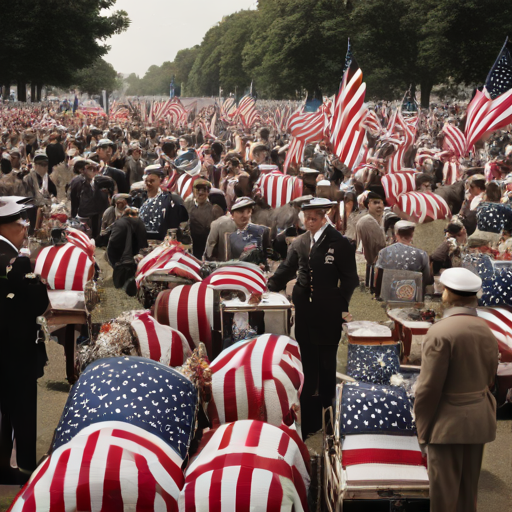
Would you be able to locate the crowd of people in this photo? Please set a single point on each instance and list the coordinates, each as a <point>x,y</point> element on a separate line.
<point>126,182</point>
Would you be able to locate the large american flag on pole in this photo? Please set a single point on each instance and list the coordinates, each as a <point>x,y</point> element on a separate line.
<point>247,112</point>
<point>346,132</point>
<point>110,466</point>
<point>248,466</point>
<point>491,109</point>
<point>258,379</point>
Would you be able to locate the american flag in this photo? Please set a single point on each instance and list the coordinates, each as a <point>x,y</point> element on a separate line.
<point>228,110</point>
<point>82,241</point>
<point>188,309</point>
<point>383,460</point>
<point>136,391</point>
<point>279,189</point>
<point>402,134</point>
<point>247,112</point>
<point>371,123</point>
<point>397,184</point>
<point>491,109</point>
<point>423,205</point>
<point>499,320</point>
<point>170,259</point>
<point>423,154</point>
<point>242,276</point>
<point>160,342</point>
<point>64,267</point>
<point>185,185</point>
<point>305,127</point>
<point>346,133</point>
<point>110,465</point>
<point>248,465</point>
<point>258,379</point>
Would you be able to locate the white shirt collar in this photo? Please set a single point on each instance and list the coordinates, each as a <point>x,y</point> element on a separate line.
<point>10,243</point>
<point>318,234</point>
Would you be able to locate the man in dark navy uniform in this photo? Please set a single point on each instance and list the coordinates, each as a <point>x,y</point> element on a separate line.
<point>22,299</point>
<point>324,261</point>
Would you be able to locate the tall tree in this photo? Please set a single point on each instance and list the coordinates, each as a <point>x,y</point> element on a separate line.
<point>47,41</point>
<point>99,76</point>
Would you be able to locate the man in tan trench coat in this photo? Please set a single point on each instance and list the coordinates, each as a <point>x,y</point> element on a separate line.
<point>455,411</point>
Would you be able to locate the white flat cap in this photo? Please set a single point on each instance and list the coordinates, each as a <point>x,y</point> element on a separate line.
<point>318,203</point>
<point>268,167</point>
<point>242,202</point>
<point>404,224</point>
<point>461,279</point>
<point>307,170</point>
<point>323,183</point>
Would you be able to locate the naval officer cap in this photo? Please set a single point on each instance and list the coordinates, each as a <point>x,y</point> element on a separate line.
<point>461,281</point>
<point>11,208</point>
<point>318,203</point>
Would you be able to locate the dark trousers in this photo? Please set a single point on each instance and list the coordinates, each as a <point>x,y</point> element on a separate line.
<point>453,472</point>
<point>18,405</point>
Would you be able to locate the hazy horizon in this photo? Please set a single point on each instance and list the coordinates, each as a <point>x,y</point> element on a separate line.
<point>154,37</point>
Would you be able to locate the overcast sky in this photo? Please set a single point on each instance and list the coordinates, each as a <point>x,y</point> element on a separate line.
<point>160,28</point>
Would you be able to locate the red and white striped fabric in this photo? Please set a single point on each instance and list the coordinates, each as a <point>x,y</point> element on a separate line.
<point>424,153</point>
<point>184,185</point>
<point>248,465</point>
<point>371,123</point>
<point>242,276</point>
<point>82,241</point>
<point>424,205</point>
<point>383,460</point>
<point>305,127</point>
<point>64,267</point>
<point>397,184</point>
<point>258,379</point>
<point>228,110</point>
<point>454,140</point>
<point>499,320</point>
<point>345,126</point>
<point>169,259</point>
<point>189,309</point>
<point>160,342</point>
<point>485,115</point>
<point>108,466</point>
<point>404,133</point>
<point>279,189</point>
<point>247,112</point>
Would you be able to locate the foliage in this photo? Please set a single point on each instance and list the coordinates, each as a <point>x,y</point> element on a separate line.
<point>93,79</point>
<point>47,41</point>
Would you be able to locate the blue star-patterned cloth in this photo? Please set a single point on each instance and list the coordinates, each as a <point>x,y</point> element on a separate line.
<point>399,256</point>
<point>498,290</point>
<point>494,217</point>
<point>373,363</point>
<point>134,390</point>
<point>374,409</point>
<point>242,239</point>
<point>152,212</point>
<point>480,264</point>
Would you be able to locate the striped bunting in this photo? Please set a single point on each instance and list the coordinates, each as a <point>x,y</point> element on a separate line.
<point>82,241</point>
<point>108,466</point>
<point>189,309</point>
<point>248,465</point>
<point>160,342</point>
<point>397,184</point>
<point>64,267</point>
<point>258,379</point>
<point>424,205</point>
<point>499,320</point>
<point>242,276</point>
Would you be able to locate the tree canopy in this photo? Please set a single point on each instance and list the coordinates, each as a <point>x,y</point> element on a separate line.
<point>48,41</point>
<point>93,79</point>
<point>287,47</point>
